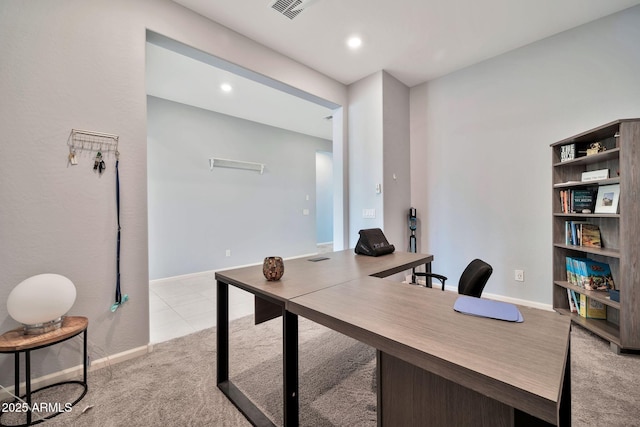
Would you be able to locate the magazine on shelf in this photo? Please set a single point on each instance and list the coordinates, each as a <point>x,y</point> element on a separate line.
<point>592,309</point>
<point>590,235</point>
<point>589,274</point>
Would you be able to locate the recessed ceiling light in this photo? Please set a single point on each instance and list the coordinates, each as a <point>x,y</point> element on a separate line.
<point>225,87</point>
<point>354,42</point>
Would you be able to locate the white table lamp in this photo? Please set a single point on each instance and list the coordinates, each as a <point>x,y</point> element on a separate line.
<point>40,302</point>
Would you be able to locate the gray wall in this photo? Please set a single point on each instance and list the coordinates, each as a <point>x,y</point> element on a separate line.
<point>81,64</point>
<point>196,214</point>
<point>480,164</point>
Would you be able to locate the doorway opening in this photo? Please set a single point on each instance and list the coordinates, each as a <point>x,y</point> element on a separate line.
<point>204,219</point>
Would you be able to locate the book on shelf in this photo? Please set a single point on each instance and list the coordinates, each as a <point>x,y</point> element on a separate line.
<point>574,305</point>
<point>595,175</point>
<point>592,309</point>
<point>576,299</point>
<point>577,201</point>
<point>589,274</point>
<point>582,201</point>
<point>582,233</point>
<point>567,152</point>
<point>572,231</point>
<point>590,235</point>
<point>571,273</point>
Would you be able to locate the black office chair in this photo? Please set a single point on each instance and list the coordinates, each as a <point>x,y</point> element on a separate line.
<point>473,278</point>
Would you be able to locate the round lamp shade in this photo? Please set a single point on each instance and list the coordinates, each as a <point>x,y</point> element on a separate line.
<point>40,299</point>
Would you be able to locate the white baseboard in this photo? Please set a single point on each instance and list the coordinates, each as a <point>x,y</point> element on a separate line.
<point>213,272</point>
<point>75,373</point>
<point>518,301</point>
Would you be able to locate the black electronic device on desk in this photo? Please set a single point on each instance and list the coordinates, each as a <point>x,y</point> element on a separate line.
<point>372,242</point>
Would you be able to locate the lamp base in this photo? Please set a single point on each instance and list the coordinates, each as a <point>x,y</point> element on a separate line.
<point>41,328</point>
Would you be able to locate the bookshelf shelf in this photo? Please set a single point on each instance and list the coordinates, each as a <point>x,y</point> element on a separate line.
<point>587,160</point>
<point>587,216</point>
<point>606,252</point>
<point>603,297</point>
<point>605,329</point>
<point>577,184</point>
<point>619,231</point>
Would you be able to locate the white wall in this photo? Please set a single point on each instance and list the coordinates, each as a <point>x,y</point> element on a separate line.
<point>81,64</point>
<point>396,179</point>
<point>480,164</point>
<point>365,154</point>
<point>378,151</point>
<point>196,214</point>
<point>324,197</point>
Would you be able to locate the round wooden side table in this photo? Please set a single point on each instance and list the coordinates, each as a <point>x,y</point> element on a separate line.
<point>16,342</point>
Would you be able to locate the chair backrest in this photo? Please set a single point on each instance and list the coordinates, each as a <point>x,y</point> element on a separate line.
<point>474,277</point>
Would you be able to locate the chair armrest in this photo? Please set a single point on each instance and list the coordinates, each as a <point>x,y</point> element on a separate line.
<point>440,277</point>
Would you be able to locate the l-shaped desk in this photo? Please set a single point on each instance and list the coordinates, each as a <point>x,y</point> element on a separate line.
<point>435,366</point>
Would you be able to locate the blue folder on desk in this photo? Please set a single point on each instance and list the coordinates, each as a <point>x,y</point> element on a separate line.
<point>488,308</point>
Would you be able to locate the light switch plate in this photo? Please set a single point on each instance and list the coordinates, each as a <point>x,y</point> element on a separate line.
<point>368,213</point>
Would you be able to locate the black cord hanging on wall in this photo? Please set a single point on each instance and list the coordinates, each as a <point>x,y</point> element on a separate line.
<point>102,144</point>
<point>120,299</point>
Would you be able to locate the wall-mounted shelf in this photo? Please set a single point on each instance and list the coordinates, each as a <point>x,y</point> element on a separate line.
<point>235,164</point>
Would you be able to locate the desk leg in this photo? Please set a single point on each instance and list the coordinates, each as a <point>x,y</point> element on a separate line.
<point>242,402</point>
<point>222,336</point>
<point>414,274</point>
<point>290,367</point>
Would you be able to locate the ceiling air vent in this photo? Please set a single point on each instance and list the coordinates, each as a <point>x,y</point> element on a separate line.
<point>291,8</point>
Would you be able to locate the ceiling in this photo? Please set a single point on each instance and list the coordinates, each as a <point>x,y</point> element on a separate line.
<point>413,40</point>
<point>181,78</point>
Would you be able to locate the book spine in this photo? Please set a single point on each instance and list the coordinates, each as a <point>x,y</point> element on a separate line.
<point>576,300</point>
<point>572,305</point>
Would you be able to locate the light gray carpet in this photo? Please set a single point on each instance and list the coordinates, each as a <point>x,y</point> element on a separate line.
<point>175,384</point>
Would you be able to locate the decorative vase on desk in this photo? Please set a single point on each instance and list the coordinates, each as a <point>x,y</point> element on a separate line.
<point>273,268</point>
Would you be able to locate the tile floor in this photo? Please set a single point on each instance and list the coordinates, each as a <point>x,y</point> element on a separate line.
<point>181,306</point>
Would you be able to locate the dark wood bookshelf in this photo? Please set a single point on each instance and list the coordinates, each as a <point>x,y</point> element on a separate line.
<point>619,232</point>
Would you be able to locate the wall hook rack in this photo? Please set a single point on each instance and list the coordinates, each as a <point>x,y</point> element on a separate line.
<point>85,140</point>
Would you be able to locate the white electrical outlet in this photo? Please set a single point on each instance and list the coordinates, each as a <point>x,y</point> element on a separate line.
<point>519,275</point>
<point>228,252</point>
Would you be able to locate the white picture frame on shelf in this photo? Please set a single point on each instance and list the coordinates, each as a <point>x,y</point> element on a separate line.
<point>607,200</point>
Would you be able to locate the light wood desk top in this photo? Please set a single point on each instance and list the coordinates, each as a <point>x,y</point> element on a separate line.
<point>302,276</point>
<point>519,364</point>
